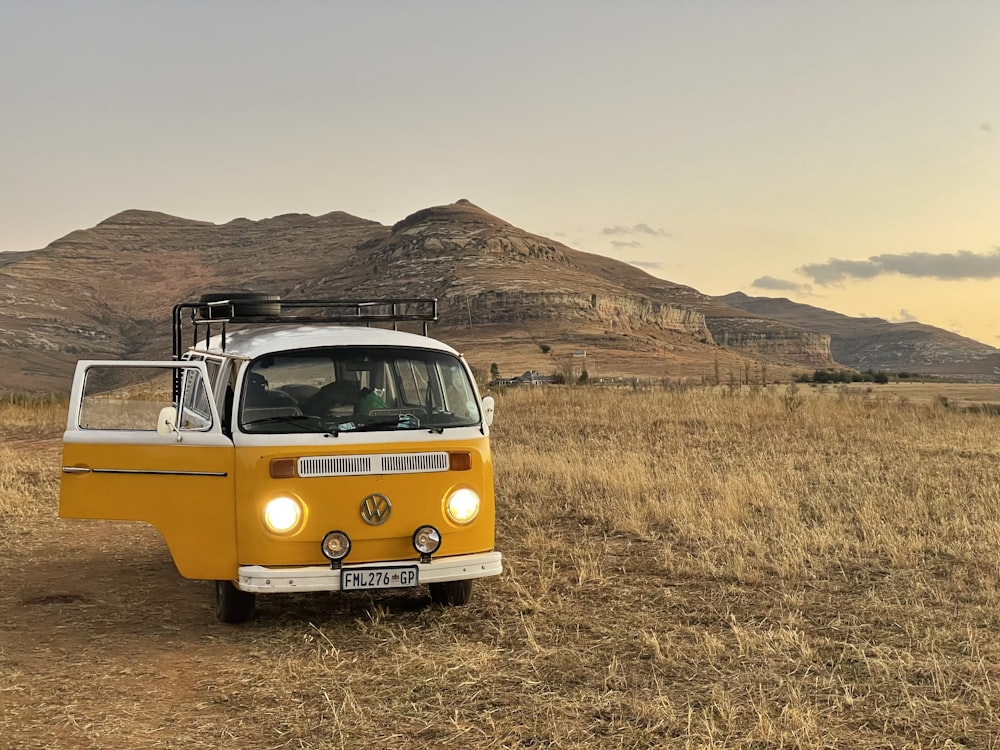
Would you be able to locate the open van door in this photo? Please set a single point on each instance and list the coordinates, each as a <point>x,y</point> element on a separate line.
<point>132,452</point>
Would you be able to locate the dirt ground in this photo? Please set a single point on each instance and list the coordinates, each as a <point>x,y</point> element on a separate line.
<point>96,616</point>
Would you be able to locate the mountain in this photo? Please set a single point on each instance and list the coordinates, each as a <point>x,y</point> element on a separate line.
<point>108,291</point>
<point>876,344</point>
<point>506,296</point>
<point>489,273</point>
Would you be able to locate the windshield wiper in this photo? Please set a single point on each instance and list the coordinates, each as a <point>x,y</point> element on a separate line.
<point>292,419</point>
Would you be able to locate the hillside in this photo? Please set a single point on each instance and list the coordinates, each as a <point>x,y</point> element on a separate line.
<point>877,344</point>
<point>506,296</point>
<point>107,291</point>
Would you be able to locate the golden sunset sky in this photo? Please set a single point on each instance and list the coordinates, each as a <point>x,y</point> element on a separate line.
<point>843,154</point>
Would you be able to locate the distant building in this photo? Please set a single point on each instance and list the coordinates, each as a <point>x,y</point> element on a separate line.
<point>529,377</point>
<point>533,377</point>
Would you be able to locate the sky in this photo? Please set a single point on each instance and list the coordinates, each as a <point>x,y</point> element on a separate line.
<point>844,154</point>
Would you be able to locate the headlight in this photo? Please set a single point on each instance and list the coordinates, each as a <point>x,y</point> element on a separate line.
<point>462,506</point>
<point>282,514</point>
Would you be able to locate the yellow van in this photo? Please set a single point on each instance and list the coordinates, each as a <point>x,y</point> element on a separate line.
<point>296,445</point>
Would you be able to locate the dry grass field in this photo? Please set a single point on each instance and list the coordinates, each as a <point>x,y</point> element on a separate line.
<point>684,568</point>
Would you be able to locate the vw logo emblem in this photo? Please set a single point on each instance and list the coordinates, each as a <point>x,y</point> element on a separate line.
<point>375,509</point>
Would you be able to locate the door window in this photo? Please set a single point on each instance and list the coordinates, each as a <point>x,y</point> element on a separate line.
<point>196,412</point>
<point>117,397</point>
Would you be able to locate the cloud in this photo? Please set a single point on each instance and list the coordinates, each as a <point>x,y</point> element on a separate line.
<point>986,127</point>
<point>942,266</point>
<point>636,229</point>
<point>645,264</point>
<point>625,243</point>
<point>903,316</point>
<point>782,285</point>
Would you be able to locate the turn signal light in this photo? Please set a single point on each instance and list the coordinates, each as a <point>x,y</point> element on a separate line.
<point>459,461</point>
<point>283,468</point>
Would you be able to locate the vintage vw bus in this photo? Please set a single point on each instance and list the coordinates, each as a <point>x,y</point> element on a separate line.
<point>295,446</point>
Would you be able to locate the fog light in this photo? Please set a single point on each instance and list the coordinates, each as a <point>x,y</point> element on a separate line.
<point>282,514</point>
<point>426,541</point>
<point>463,505</point>
<point>335,547</point>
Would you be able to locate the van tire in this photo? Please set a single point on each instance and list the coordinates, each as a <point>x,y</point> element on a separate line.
<point>245,304</point>
<point>451,593</point>
<point>231,604</point>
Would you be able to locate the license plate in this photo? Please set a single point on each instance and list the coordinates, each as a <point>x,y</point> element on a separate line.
<point>398,577</point>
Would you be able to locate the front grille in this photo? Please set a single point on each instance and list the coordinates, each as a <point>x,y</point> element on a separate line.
<point>379,463</point>
<point>411,463</point>
<point>335,466</point>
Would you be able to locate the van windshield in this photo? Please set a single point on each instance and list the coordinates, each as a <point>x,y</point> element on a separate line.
<point>345,389</point>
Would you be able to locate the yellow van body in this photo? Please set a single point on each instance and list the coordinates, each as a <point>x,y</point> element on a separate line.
<point>291,493</point>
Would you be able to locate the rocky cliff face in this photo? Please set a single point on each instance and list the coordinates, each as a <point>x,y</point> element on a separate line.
<point>612,312</point>
<point>765,338</point>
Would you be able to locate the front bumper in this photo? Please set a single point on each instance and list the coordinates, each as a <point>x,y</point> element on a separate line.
<point>260,580</point>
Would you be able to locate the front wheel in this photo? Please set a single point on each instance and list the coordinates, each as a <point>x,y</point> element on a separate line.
<point>231,604</point>
<point>451,593</point>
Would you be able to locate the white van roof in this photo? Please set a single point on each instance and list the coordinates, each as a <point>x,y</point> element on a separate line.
<point>254,342</point>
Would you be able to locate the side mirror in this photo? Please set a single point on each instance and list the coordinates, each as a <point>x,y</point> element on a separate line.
<point>489,404</point>
<point>166,423</point>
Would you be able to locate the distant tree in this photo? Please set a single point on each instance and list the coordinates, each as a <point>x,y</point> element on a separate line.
<point>832,376</point>
<point>545,348</point>
<point>584,377</point>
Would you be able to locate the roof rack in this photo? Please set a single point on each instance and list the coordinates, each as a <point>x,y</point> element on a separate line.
<point>223,310</point>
